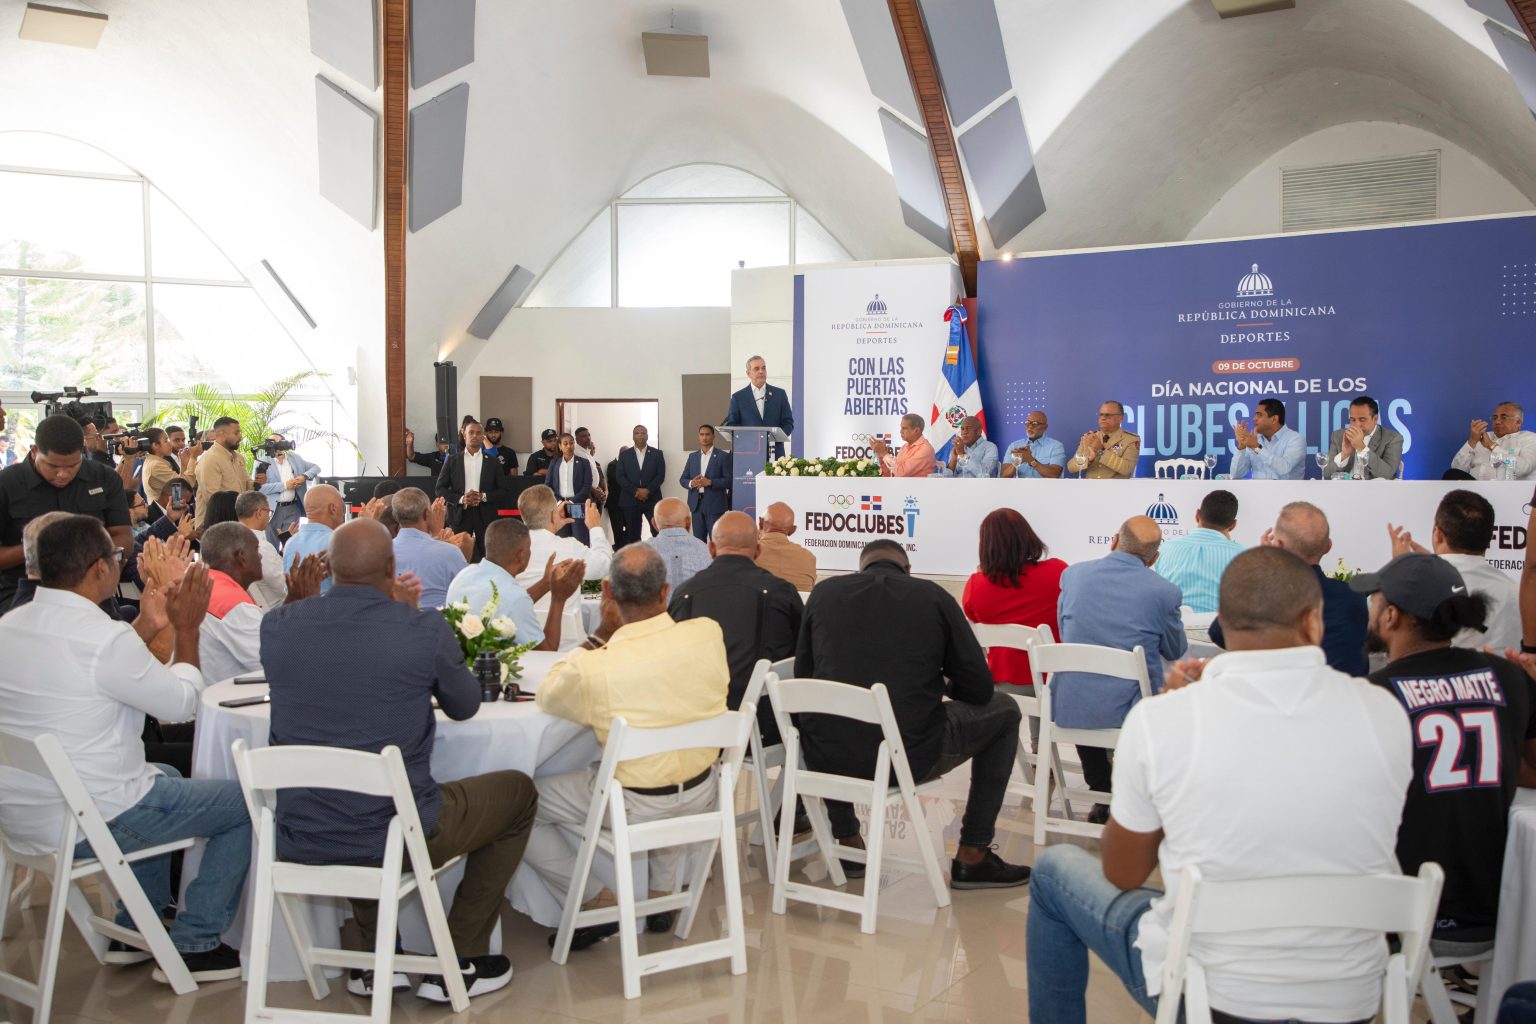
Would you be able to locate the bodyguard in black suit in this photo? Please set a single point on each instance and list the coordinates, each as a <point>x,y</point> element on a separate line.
<point>758,612</point>
<point>615,510</point>
<point>641,471</point>
<point>467,511</point>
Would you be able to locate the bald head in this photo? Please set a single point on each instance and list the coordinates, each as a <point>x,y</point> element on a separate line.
<point>672,513</point>
<point>1140,536</point>
<point>1302,529</point>
<point>734,534</point>
<point>1269,598</point>
<point>323,504</point>
<point>779,518</point>
<point>363,554</point>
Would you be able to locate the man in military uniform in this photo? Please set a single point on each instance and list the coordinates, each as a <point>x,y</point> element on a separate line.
<point>1109,453</point>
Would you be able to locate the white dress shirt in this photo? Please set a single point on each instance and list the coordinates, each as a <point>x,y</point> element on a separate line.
<point>1501,620</point>
<point>598,556</point>
<point>567,473</point>
<point>472,462</point>
<point>1477,460</point>
<point>71,671</point>
<point>1358,458</point>
<point>286,472</point>
<point>272,589</point>
<point>759,395</point>
<point>704,457</point>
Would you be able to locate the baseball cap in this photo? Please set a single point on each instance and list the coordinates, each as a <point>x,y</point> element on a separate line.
<point>494,424</point>
<point>1416,583</point>
<point>548,435</point>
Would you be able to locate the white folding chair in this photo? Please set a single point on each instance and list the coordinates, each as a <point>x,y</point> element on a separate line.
<point>872,706</point>
<point>1179,469</point>
<point>1020,638</point>
<point>406,867</point>
<point>1050,660</point>
<point>1438,1000</point>
<point>44,756</point>
<point>1195,620</point>
<point>1401,904</point>
<point>716,829</point>
<point>762,758</point>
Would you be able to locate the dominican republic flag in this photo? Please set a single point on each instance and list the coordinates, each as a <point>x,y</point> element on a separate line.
<point>959,393</point>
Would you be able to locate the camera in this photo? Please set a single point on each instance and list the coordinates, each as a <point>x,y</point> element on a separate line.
<point>273,447</point>
<point>120,442</point>
<point>67,402</point>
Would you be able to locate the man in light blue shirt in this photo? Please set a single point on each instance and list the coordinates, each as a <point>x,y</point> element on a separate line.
<point>507,551</point>
<point>971,455</point>
<point>326,511</point>
<point>435,562</point>
<point>1035,456</point>
<point>1115,601</point>
<point>1195,563</point>
<point>1271,450</point>
<point>683,553</point>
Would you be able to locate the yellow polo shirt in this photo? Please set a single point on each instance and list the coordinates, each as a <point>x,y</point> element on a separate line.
<point>653,673</point>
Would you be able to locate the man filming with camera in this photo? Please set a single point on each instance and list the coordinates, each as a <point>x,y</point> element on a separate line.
<point>288,474</point>
<point>221,467</point>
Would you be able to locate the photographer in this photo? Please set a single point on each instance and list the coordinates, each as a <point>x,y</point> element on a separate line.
<point>74,484</point>
<point>159,465</point>
<point>221,467</point>
<point>288,474</point>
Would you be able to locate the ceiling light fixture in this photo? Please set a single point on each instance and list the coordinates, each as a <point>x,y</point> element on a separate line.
<point>66,26</point>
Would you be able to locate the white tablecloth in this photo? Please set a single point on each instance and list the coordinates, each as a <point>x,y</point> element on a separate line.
<point>501,736</point>
<point>1514,955</point>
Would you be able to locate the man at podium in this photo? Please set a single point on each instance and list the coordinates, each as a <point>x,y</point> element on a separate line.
<point>758,405</point>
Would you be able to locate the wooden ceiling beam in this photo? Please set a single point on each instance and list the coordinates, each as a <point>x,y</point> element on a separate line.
<point>917,51</point>
<point>1525,13</point>
<point>396,102</point>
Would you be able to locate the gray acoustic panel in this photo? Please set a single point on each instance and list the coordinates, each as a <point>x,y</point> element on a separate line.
<point>345,34</point>
<point>922,202</point>
<point>501,302</point>
<point>436,173</point>
<point>348,137</point>
<point>1002,168</point>
<point>1518,58</point>
<point>886,70</point>
<point>442,38</point>
<point>1499,11</point>
<point>968,48</point>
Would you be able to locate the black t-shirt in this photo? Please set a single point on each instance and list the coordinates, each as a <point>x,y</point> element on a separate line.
<point>96,491</point>
<point>540,460</point>
<point>1471,714</point>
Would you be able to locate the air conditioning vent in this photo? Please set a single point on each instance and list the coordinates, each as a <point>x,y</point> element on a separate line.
<point>1395,188</point>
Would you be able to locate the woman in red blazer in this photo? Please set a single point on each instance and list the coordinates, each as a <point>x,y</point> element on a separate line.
<point>1015,583</point>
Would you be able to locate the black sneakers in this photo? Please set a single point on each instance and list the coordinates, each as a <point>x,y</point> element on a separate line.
<point>360,982</point>
<point>991,873</point>
<point>482,974</point>
<point>1099,815</point>
<point>218,964</point>
<point>120,954</point>
<point>590,935</point>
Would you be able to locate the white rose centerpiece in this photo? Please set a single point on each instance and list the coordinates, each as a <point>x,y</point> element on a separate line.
<point>479,632</point>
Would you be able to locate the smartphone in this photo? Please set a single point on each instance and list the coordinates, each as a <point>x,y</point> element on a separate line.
<point>245,702</point>
<point>178,502</point>
<point>250,677</point>
<point>575,510</point>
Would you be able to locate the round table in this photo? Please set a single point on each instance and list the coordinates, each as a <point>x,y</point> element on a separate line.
<point>501,736</point>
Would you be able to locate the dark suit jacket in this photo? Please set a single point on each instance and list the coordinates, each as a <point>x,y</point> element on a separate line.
<point>632,476</point>
<point>759,615</point>
<point>776,410</point>
<point>450,485</point>
<point>1345,615</point>
<point>581,480</point>
<point>1383,460</point>
<point>717,499</point>
<point>923,649</point>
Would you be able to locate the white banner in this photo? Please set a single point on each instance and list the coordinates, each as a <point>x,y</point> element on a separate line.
<point>868,346</point>
<point>938,520</point>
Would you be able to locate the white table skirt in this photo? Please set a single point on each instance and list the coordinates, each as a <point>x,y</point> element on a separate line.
<point>1514,952</point>
<point>502,736</point>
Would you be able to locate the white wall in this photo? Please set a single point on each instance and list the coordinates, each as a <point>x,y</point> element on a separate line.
<point>1468,186</point>
<point>601,353</point>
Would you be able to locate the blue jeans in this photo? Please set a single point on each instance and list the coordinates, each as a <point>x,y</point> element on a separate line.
<point>1073,908</point>
<point>178,808</point>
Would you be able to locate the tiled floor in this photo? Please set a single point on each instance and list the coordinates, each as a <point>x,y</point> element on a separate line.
<point>962,963</point>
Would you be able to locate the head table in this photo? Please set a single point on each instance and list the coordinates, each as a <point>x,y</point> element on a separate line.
<point>938,519</point>
<point>501,736</point>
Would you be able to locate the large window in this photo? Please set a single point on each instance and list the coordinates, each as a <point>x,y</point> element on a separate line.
<point>106,284</point>
<point>674,239</point>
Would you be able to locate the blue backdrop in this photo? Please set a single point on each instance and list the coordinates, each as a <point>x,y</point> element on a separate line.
<point>1437,322</point>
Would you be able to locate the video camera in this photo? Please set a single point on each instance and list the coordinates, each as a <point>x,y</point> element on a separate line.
<point>271,448</point>
<point>66,402</point>
<point>120,442</point>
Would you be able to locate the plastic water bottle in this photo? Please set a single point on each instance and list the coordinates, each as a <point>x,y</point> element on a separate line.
<point>1509,463</point>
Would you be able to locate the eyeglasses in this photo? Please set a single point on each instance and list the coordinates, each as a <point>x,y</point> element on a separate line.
<point>1034,423</point>
<point>115,556</point>
<point>1109,415</point>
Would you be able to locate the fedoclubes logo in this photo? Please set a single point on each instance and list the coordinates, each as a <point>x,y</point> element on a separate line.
<point>1509,538</point>
<point>1255,306</point>
<point>865,514</point>
<point>860,448</point>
